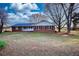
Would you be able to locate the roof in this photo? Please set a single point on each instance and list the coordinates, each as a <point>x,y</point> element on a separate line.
<point>45,21</point>
<point>23,24</point>
<point>33,24</point>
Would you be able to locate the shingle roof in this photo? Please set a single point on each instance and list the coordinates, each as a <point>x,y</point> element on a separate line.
<point>23,24</point>
<point>44,21</point>
<point>30,24</point>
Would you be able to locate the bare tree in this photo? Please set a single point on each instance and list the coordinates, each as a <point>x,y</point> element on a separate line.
<point>35,18</point>
<point>3,16</point>
<point>68,14</point>
<point>56,14</point>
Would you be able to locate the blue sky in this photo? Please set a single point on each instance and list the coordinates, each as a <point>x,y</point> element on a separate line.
<point>20,12</point>
<point>40,6</point>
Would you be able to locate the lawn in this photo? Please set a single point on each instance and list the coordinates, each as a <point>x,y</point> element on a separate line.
<point>35,43</point>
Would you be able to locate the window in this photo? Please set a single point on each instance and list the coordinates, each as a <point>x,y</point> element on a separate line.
<point>37,27</point>
<point>45,27</point>
<point>19,28</point>
<point>28,26</point>
<point>40,27</point>
<point>24,27</point>
<point>16,28</point>
<point>50,27</point>
<point>53,27</point>
<point>13,28</point>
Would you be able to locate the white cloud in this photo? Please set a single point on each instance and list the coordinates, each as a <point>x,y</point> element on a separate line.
<point>23,11</point>
<point>33,6</point>
<point>14,18</point>
<point>12,15</point>
<point>21,6</point>
<point>25,8</point>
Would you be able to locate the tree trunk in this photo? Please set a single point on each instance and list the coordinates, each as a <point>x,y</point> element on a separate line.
<point>59,30</point>
<point>68,27</point>
<point>69,16</point>
<point>59,26</point>
<point>1,26</point>
<point>74,25</point>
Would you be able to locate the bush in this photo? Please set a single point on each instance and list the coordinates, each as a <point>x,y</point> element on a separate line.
<point>3,43</point>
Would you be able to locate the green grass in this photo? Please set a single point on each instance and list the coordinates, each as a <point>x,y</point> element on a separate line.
<point>38,36</point>
<point>3,43</point>
<point>20,41</point>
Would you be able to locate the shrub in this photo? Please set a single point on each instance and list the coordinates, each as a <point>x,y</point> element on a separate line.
<point>3,43</point>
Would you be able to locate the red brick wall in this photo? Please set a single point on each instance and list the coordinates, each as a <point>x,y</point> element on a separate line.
<point>36,30</point>
<point>44,30</point>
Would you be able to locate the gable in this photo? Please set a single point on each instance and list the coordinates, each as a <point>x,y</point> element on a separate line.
<point>44,23</point>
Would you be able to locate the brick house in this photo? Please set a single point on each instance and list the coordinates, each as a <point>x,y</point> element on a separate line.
<point>42,26</point>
